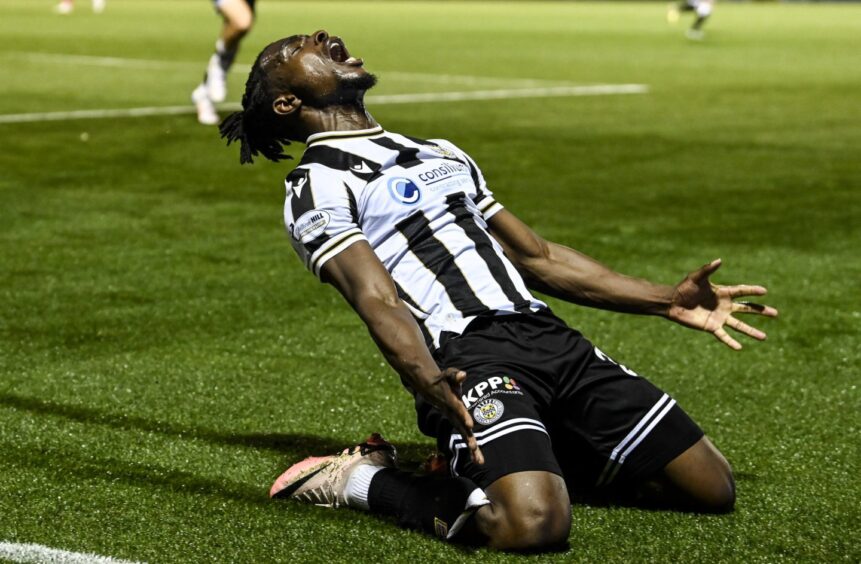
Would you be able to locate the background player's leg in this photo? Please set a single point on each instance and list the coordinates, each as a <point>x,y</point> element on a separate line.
<point>675,8</point>
<point>238,20</point>
<point>704,10</point>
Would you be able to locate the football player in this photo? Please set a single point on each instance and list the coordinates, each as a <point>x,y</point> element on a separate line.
<point>526,411</point>
<point>702,8</point>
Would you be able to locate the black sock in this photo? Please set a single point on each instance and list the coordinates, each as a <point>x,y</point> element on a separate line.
<point>225,55</point>
<point>427,503</point>
<point>226,58</point>
<point>699,22</point>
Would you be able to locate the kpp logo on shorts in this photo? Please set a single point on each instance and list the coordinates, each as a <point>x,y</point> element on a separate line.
<point>491,384</point>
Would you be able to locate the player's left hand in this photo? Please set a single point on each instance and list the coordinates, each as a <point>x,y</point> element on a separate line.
<point>699,304</point>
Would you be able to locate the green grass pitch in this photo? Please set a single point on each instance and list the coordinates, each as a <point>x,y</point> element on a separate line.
<point>164,355</point>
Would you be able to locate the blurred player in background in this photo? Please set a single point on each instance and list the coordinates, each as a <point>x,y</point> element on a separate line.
<point>66,6</point>
<point>527,413</point>
<point>703,9</point>
<point>238,18</point>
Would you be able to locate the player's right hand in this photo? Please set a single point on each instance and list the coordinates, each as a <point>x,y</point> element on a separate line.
<point>444,393</point>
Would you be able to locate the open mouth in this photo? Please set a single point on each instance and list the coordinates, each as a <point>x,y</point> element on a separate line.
<point>338,52</point>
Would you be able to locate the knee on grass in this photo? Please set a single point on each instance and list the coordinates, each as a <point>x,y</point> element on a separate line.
<point>719,497</point>
<point>540,525</point>
<point>701,479</point>
<point>715,491</point>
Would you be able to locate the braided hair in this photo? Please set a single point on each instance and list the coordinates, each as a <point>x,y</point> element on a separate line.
<point>255,127</point>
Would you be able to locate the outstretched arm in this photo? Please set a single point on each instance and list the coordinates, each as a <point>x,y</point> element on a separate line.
<point>364,282</point>
<point>564,273</point>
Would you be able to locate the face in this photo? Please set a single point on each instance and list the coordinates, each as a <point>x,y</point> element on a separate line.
<point>317,69</point>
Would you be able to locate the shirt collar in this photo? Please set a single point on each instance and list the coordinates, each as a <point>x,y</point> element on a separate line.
<point>338,135</point>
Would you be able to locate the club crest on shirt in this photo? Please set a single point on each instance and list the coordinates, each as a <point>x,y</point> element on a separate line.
<point>488,411</point>
<point>404,191</point>
<point>311,225</point>
<point>442,151</point>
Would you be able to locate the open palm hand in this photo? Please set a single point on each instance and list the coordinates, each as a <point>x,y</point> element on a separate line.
<point>699,304</point>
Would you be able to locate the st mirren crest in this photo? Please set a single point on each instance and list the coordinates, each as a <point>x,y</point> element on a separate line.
<point>488,411</point>
<point>443,151</point>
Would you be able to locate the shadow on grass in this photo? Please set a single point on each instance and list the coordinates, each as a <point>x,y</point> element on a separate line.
<point>293,446</point>
<point>64,464</point>
<point>290,444</point>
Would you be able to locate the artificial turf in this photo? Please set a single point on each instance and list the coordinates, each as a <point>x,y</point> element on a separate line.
<point>164,355</point>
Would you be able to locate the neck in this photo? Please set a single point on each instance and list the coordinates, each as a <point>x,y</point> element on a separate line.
<point>350,117</point>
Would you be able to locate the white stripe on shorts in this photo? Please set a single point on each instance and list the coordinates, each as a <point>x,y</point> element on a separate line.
<point>456,443</point>
<point>640,431</point>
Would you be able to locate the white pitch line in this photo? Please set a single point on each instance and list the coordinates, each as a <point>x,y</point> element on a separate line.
<point>468,79</point>
<point>38,554</point>
<point>151,64</point>
<point>511,93</point>
<point>384,99</point>
<point>108,113</point>
<point>94,61</point>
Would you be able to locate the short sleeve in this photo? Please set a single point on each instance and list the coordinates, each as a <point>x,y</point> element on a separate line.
<point>320,214</point>
<point>484,200</point>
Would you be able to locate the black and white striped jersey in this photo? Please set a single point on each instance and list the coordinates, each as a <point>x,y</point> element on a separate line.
<point>422,206</point>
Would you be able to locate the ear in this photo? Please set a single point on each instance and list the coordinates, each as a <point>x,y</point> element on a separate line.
<point>286,104</point>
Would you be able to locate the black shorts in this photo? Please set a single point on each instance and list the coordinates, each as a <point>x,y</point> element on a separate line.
<point>544,398</point>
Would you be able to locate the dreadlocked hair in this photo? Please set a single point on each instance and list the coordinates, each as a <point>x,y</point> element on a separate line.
<point>255,126</point>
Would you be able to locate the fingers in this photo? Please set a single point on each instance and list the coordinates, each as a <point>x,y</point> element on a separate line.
<point>474,451</point>
<point>744,290</point>
<point>460,415</point>
<point>749,307</point>
<point>743,327</point>
<point>454,377</point>
<point>465,428</point>
<point>724,338</point>
<point>705,271</point>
